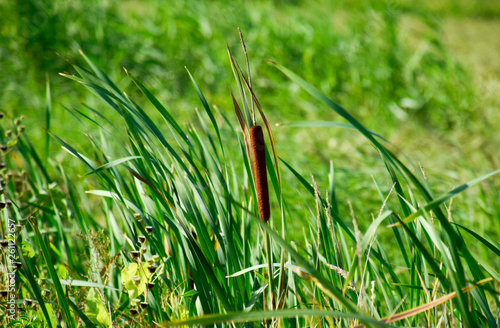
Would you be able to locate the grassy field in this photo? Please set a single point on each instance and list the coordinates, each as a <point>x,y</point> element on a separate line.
<point>130,196</point>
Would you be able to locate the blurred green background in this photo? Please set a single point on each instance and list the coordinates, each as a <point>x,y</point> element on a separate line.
<point>424,74</point>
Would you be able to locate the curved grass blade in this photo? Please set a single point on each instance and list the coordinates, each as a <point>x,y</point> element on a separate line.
<point>438,201</point>
<point>112,164</point>
<point>485,240</point>
<point>62,300</point>
<point>263,315</point>
<point>35,287</point>
<point>327,101</point>
<point>207,109</point>
<point>326,124</point>
<point>48,110</point>
<point>163,111</point>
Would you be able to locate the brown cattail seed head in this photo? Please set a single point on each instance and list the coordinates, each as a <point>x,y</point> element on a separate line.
<point>259,165</point>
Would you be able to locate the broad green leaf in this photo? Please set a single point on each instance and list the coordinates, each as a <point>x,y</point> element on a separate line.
<point>28,250</point>
<point>95,309</point>
<point>134,286</point>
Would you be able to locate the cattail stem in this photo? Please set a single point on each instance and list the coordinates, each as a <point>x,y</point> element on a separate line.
<point>270,266</point>
<point>259,164</point>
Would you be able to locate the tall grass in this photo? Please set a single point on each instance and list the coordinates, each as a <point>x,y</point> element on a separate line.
<point>178,240</point>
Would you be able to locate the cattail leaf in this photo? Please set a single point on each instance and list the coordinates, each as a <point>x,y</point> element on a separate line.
<point>263,315</point>
<point>48,112</point>
<point>329,124</point>
<point>484,239</point>
<point>246,108</point>
<point>207,109</point>
<point>36,288</point>
<point>62,300</point>
<point>163,111</point>
<point>112,164</point>
<point>441,199</point>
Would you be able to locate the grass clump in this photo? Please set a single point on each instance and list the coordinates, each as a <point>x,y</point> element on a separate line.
<point>184,235</point>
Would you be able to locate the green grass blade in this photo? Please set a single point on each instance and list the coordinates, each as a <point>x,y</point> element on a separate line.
<point>113,164</point>
<point>438,201</point>
<point>34,286</point>
<point>263,315</point>
<point>62,300</point>
<point>329,124</point>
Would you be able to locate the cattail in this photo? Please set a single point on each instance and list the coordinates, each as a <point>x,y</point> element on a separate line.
<point>259,165</point>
